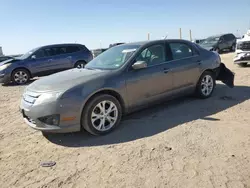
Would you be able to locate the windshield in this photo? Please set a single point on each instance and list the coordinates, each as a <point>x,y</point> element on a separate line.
<point>210,40</point>
<point>113,58</point>
<point>26,55</point>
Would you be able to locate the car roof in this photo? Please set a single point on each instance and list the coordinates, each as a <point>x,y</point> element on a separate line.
<point>64,44</point>
<point>148,42</point>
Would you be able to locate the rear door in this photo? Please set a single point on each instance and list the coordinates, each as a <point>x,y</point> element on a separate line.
<point>59,59</point>
<point>185,65</point>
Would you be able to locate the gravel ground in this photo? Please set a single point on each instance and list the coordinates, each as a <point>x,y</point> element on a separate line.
<point>183,143</point>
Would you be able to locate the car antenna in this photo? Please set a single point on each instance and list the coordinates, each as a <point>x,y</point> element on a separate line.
<point>166,36</point>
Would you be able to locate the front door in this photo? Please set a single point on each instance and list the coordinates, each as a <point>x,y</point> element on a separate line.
<point>184,65</point>
<point>38,63</point>
<point>151,83</point>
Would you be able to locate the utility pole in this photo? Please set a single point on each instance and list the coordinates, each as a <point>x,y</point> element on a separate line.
<point>148,36</point>
<point>180,34</point>
<point>190,34</point>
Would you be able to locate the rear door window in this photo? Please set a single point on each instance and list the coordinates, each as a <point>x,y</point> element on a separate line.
<point>72,49</point>
<point>181,50</point>
<point>60,50</point>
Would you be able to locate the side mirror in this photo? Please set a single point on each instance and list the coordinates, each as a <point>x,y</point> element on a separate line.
<point>33,57</point>
<point>139,65</point>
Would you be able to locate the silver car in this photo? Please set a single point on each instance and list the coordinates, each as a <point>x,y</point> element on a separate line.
<point>121,80</point>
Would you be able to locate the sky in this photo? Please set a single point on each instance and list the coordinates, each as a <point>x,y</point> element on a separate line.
<point>27,24</point>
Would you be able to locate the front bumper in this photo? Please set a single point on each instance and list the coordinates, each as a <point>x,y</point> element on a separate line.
<point>31,115</point>
<point>4,78</point>
<point>243,57</point>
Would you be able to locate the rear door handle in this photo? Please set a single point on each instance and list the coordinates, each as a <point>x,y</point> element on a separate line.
<point>199,62</point>
<point>49,60</point>
<point>69,57</point>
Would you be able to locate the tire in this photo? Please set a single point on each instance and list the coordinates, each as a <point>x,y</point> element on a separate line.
<point>20,76</point>
<point>80,64</point>
<point>101,125</point>
<point>203,85</point>
<point>242,64</point>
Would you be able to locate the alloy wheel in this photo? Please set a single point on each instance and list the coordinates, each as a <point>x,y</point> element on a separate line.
<point>207,85</point>
<point>104,115</point>
<point>21,77</point>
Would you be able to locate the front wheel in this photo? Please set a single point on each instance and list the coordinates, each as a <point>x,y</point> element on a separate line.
<point>205,85</point>
<point>101,114</point>
<point>80,64</point>
<point>20,76</point>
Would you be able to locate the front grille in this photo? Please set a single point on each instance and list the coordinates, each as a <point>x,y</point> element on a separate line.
<point>244,46</point>
<point>30,97</point>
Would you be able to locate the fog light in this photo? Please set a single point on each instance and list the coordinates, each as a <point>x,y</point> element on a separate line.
<point>51,120</point>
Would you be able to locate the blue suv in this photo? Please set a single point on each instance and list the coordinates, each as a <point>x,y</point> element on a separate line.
<point>43,61</point>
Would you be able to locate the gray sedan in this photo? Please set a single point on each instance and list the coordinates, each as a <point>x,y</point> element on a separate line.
<point>121,80</point>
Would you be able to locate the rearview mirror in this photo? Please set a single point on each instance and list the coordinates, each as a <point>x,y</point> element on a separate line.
<point>33,57</point>
<point>139,65</point>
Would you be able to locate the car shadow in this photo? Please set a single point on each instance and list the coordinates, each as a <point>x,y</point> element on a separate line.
<point>12,84</point>
<point>159,118</point>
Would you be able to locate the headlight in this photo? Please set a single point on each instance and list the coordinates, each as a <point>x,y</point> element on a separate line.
<point>47,97</point>
<point>4,66</point>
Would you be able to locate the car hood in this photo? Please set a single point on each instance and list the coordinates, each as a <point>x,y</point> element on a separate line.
<point>9,61</point>
<point>65,80</point>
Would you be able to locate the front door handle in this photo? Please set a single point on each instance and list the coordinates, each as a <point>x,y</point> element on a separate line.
<point>49,60</point>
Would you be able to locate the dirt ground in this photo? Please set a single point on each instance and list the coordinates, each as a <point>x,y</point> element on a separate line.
<point>183,143</point>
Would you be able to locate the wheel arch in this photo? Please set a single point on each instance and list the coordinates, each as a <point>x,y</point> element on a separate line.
<point>108,92</point>
<point>213,71</point>
<point>80,60</point>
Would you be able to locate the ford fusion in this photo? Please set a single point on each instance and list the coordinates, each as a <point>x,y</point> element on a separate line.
<point>121,80</point>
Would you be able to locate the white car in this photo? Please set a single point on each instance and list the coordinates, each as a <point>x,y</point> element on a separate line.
<point>242,57</point>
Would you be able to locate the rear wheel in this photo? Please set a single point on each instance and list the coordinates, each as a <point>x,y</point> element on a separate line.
<point>242,64</point>
<point>206,85</point>
<point>20,76</point>
<point>101,114</point>
<point>80,64</point>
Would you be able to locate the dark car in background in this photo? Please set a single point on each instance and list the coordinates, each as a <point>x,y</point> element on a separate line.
<point>219,43</point>
<point>97,52</point>
<point>44,60</point>
<point>198,41</point>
